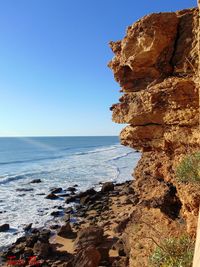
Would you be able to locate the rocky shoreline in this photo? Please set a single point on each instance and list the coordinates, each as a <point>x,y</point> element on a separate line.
<point>90,234</point>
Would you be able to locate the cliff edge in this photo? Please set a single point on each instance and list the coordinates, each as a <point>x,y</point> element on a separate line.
<point>156,65</point>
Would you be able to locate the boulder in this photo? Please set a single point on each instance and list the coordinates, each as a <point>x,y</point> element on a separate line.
<point>70,199</point>
<point>24,189</point>
<point>90,236</point>
<point>41,249</point>
<point>55,213</point>
<point>84,200</point>
<point>51,196</point>
<point>44,235</point>
<point>122,225</point>
<point>88,257</point>
<point>88,192</point>
<point>31,240</point>
<point>35,181</point>
<point>66,231</point>
<point>56,190</point>
<point>4,227</point>
<point>106,187</point>
<point>28,227</point>
<point>72,189</point>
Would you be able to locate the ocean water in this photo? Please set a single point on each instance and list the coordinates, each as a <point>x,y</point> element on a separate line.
<point>58,162</point>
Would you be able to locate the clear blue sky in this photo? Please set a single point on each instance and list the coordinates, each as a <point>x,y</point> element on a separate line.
<point>54,78</point>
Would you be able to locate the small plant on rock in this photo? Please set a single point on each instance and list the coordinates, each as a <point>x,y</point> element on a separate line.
<point>189,169</point>
<point>173,252</point>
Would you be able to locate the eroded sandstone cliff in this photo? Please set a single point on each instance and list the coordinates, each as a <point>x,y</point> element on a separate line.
<point>156,65</point>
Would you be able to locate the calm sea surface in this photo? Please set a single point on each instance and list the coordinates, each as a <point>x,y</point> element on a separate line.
<point>58,162</point>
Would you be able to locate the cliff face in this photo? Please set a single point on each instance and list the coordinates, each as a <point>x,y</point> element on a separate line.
<point>156,66</point>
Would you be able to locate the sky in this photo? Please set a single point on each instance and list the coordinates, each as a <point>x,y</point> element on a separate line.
<point>54,78</point>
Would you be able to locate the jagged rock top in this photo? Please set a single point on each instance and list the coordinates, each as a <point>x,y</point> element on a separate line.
<point>154,47</point>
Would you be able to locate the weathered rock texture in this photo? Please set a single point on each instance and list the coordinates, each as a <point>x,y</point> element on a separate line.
<point>156,65</point>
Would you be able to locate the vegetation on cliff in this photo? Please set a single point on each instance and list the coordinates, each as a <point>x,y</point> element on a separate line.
<point>176,252</point>
<point>189,168</point>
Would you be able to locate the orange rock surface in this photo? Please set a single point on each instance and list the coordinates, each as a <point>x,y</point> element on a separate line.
<point>156,65</point>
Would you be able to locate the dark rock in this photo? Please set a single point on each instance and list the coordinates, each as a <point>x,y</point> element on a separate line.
<point>96,196</point>
<point>88,257</point>
<point>35,181</point>
<point>71,189</point>
<point>66,231</point>
<point>131,190</point>
<point>4,227</point>
<point>44,235</point>
<point>56,190</point>
<point>51,196</point>
<point>106,187</point>
<point>24,189</point>
<point>31,240</point>
<point>54,227</point>
<point>90,236</point>
<point>55,213</point>
<point>58,207</point>
<point>104,251</point>
<point>122,225</point>
<point>28,227</point>
<point>20,240</point>
<point>84,200</point>
<point>35,231</point>
<point>70,199</point>
<point>42,250</point>
<point>119,246</point>
<point>89,192</point>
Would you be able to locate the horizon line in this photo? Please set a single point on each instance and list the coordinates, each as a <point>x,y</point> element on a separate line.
<point>33,136</point>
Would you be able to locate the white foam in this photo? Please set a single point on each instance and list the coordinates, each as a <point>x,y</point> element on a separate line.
<point>111,163</point>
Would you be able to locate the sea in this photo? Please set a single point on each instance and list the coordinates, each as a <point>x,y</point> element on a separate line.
<point>58,162</point>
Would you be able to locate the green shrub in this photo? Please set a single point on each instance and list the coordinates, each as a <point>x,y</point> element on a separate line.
<point>173,252</point>
<point>189,168</point>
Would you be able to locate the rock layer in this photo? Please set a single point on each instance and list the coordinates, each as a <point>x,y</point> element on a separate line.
<point>156,66</point>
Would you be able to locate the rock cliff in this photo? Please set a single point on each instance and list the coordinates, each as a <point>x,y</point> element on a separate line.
<point>156,65</point>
